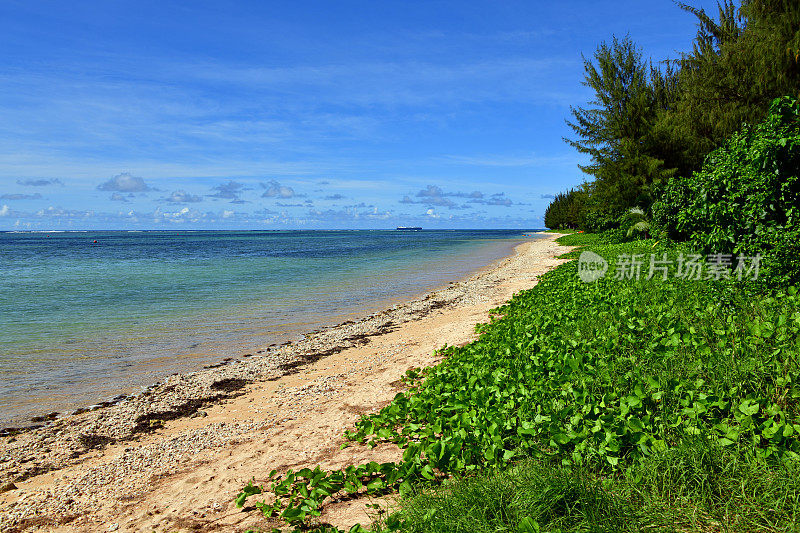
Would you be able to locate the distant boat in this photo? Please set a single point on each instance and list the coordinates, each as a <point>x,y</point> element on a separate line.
<point>409,228</point>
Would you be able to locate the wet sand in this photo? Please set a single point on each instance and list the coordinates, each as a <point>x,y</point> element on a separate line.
<point>173,457</point>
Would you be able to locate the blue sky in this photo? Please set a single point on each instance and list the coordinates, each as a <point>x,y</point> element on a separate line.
<point>299,114</point>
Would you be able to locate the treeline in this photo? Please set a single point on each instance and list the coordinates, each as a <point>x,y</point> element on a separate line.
<point>565,211</point>
<point>653,125</point>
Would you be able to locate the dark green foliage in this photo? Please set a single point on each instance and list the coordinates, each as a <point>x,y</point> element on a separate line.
<point>631,225</point>
<point>740,62</point>
<point>578,239</point>
<point>775,26</point>
<point>599,219</point>
<point>565,211</point>
<point>710,104</point>
<point>746,199</point>
<point>649,124</point>
<point>672,196</point>
<point>616,132</point>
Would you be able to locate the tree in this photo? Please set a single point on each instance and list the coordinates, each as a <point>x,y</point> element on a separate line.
<point>617,132</point>
<point>648,124</point>
<point>565,211</point>
<point>740,62</point>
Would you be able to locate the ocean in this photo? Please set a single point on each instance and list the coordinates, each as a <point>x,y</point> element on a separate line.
<point>85,316</point>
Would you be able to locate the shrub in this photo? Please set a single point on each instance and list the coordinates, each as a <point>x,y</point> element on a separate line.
<point>745,199</point>
<point>599,219</point>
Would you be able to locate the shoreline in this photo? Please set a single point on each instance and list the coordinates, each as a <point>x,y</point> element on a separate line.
<point>58,470</point>
<point>351,318</point>
<point>257,344</point>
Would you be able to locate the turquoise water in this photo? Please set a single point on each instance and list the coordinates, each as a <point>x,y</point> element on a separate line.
<point>83,321</point>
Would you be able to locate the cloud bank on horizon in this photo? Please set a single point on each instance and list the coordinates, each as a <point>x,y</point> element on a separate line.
<point>304,115</point>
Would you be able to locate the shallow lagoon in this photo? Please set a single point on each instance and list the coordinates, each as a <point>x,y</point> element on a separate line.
<point>84,321</point>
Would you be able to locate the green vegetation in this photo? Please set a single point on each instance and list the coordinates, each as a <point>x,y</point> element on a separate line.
<point>746,198</point>
<point>671,492</point>
<point>615,405</point>
<point>565,230</point>
<point>664,396</point>
<point>565,211</point>
<point>617,133</point>
<point>650,123</point>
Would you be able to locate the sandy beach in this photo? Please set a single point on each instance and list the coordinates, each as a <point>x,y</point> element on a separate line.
<point>173,457</point>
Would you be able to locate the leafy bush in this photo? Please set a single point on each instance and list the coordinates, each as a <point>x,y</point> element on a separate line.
<point>746,198</point>
<point>629,226</point>
<point>671,197</point>
<point>599,219</point>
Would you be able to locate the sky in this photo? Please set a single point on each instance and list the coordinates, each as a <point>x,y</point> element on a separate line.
<point>300,115</point>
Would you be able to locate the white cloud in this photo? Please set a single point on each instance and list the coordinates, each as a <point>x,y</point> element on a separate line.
<point>124,183</point>
<point>276,190</point>
<point>4,211</point>
<point>433,195</point>
<point>17,196</point>
<point>182,197</point>
<point>496,199</point>
<point>59,212</point>
<point>42,182</point>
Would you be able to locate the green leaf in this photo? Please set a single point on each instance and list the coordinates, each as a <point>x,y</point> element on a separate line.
<point>249,490</point>
<point>749,408</point>
<point>528,525</point>
<point>561,439</point>
<point>427,472</point>
<point>376,484</point>
<point>293,513</point>
<point>635,424</point>
<point>405,489</point>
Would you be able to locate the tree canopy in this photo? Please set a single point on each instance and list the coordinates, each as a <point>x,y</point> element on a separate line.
<point>650,122</point>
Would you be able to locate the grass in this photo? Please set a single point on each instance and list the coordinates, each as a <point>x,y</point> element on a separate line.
<point>693,487</point>
<point>609,406</point>
<point>524,497</point>
<point>579,239</point>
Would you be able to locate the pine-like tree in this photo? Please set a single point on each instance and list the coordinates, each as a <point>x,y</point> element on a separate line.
<point>565,211</point>
<point>617,132</point>
<point>740,62</point>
